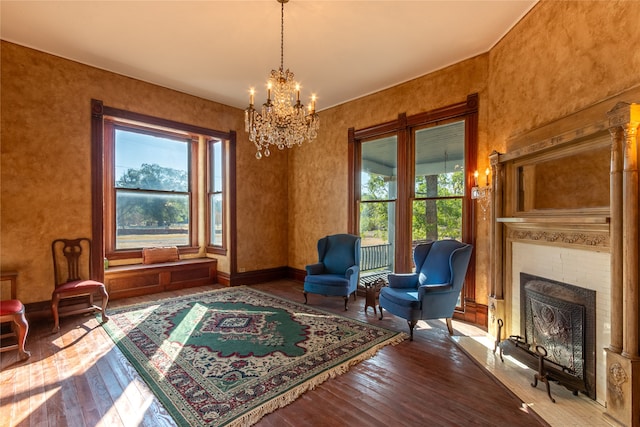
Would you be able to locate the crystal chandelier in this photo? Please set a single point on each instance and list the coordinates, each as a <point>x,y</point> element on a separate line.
<point>283,121</point>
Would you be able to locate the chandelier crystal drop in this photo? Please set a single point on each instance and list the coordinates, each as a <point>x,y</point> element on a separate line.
<point>283,120</point>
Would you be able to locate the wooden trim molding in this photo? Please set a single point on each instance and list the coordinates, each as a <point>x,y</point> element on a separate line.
<point>474,313</point>
<point>232,200</point>
<point>97,195</point>
<point>257,276</point>
<point>261,276</point>
<point>296,274</point>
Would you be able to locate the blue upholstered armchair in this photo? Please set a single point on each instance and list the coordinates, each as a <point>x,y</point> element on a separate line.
<point>337,270</point>
<point>432,291</point>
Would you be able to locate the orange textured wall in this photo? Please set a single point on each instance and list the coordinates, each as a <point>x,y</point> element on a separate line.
<point>561,58</point>
<point>46,153</point>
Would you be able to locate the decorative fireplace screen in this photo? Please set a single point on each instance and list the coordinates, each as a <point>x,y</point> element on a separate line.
<point>561,318</point>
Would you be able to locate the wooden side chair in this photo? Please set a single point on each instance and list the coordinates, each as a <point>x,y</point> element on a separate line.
<point>12,310</point>
<point>72,272</point>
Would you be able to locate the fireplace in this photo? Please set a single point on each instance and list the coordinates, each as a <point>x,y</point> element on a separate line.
<point>560,317</point>
<point>565,206</point>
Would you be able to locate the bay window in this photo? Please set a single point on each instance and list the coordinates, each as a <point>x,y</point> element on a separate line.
<point>158,182</point>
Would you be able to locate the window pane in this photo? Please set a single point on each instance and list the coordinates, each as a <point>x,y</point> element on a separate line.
<point>151,162</point>
<point>379,174</point>
<point>146,219</point>
<point>377,228</point>
<point>215,162</point>
<point>436,219</point>
<point>215,210</point>
<point>439,161</point>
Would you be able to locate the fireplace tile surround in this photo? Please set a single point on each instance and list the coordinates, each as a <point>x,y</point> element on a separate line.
<point>587,269</point>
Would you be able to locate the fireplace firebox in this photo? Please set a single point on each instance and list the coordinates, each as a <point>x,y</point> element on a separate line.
<point>560,318</point>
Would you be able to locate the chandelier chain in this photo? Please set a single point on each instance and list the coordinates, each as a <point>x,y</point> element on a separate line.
<point>282,36</point>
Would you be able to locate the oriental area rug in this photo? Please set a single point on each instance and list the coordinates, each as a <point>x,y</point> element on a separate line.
<point>230,356</point>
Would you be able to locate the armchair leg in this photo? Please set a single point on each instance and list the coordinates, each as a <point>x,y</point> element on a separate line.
<point>412,324</point>
<point>449,325</point>
<point>346,300</point>
<point>305,297</point>
<point>380,307</point>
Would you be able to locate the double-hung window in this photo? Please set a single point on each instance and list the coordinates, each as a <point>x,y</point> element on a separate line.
<point>215,193</point>
<point>150,182</point>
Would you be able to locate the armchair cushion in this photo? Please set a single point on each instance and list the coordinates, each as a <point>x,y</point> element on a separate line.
<point>403,298</point>
<point>328,280</point>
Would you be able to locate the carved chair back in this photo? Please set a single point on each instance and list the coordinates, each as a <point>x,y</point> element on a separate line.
<point>71,260</point>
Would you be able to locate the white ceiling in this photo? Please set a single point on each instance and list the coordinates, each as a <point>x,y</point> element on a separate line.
<point>217,50</point>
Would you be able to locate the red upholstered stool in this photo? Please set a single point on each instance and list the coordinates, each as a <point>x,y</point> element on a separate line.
<point>12,310</point>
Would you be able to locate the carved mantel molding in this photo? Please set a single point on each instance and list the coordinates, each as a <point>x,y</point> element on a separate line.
<point>570,237</point>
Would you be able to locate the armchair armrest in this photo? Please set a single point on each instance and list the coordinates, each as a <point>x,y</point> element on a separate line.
<point>353,270</point>
<point>316,268</point>
<point>444,288</point>
<point>407,280</point>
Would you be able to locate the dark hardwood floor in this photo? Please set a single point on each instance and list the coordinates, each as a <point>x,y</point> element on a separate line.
<point>78,378</point>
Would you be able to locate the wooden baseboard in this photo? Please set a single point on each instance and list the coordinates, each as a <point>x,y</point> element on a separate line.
<point>36,311</point>
<point>296,274</point>
<point>254,277</point>
<point>474,313</point>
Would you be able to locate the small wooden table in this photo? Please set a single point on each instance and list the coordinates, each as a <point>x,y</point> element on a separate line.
<point>372,291</point>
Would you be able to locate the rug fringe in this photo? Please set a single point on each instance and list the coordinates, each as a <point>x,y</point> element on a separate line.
<point>285,399</point>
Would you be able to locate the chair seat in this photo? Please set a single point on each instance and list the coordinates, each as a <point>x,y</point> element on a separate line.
<point>78,286</point>
<point>327,280</point>
<point>403,297</point>
<point>10,306</point>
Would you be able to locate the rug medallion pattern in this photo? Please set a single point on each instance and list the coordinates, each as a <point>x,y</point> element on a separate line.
<point>230,356</point>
